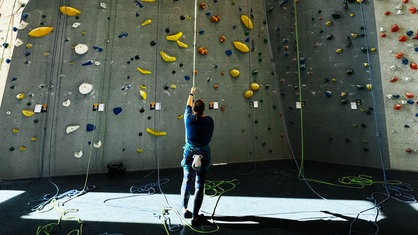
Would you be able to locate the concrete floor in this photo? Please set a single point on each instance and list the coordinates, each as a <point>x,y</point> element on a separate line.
<point>260,198</point>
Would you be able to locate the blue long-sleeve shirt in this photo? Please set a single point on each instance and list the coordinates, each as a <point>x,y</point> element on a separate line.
<point>198,130</point>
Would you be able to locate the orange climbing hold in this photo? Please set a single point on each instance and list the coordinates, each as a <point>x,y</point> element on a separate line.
<point>202,5</point>
<point>215,19</point>
<point>222,38</point>
<point>202,51</point>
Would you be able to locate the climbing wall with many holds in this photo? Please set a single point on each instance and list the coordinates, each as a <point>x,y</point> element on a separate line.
<point>94,84</point>
<point>395,21</point>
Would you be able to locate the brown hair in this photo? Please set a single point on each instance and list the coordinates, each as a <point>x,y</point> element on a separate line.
<point>199,107</point>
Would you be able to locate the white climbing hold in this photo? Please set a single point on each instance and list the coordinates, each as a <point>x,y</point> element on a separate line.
<point>78,154</point>
<point>72,128</point>
<point>22,25</point>
<point>400,12</point>
<point>399,7</point>
<point>8,112</point>
<point>66,103</point>
<point>81,49</point>
<point>18,42</point>
<point>85,88</point>
<point>98,144</point>
<point>75,25</point>
<point>382,29</point>
<point>103,5</point>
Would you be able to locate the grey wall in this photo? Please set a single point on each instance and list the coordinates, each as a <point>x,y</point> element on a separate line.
<point>242,133</point>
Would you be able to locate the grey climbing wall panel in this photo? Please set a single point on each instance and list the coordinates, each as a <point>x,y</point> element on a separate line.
<point>50,72</point>
<point>342,119</point>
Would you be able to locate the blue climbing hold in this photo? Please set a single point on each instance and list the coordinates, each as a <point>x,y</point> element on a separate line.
<point>90,62</point>
<point>405,61</point>
<point>187,78</point>
<point>202,31</point>
<point>409,33</point>
<point>396,96</point>
<point>117,110</point>
<point>228,52</point>
<point>90,127</point>
<point>328,93</point>
<point>122,35</point>
<point>410,102</point>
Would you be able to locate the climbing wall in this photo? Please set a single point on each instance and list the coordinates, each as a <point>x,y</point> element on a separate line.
<point>395,21</point>
<point>334,77</point>
<point>103,84</point>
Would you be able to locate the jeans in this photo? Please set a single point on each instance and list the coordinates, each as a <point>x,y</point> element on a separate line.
<point>190,176</point>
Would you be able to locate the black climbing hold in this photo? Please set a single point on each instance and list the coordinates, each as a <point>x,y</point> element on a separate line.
<point>142,110</point>
<point>140,134</point>
<point>181,64</point>
<point>182,17</point>
<point>36,121</point>
<point>12,149</point>
<point>360,87</point>
<point>363,49</point>
<point>336,16</point>
<point>29,104</point>
<point>349,71</point>
<point>166,87</point>
<point>167,30</point>
<point>89,142</point>
<point>173,72</point>
<point>344,101</point>
<point>255,121</point>
<point>363,125</point>
<point>149,117</point>
<point>329,36</point>
<point>137,57</point>
<point>153,43</point>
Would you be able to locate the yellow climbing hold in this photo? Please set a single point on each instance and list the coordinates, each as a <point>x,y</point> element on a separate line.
<point>143,86</point>
<point>328,23</point>
<point>147,0</point>
<point>352,14</point>
<point>40,32</point>
<point>166,57</point>
<point>28,113</point>
<point>248,94</point>
<point>146,22</point>
<point>247,21</point>
<point>182,44</point>
<point>33,138</point>
<point>15,130</point>
<point>180,116</point>
<point>143,71</point>
<point>22,148</point>
<point>241,46</point>
<point>366,64</point>
<point>143,94</point>
<point>339,50</point>
<point>373,49</point>
<point>174,37</point>
<point>28,45</point>
<point>234,73</point>
<point>69,11</point>
<point>156,133</point>
<point>139,150</point>
<point>20,96</point>
<point>369,86</point>
<point>254,86</point>
<point>173,86</point>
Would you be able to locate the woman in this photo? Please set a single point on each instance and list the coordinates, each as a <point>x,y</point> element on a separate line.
<point>196,155</point>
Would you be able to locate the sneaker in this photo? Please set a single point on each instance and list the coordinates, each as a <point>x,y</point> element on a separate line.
<point>187,214</point>
<point>199,220</point>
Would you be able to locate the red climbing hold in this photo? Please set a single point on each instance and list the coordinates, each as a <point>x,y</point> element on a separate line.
<point>409,150</point>
<point>413,65</point>
<point>412,10</point>
<point>383,35</point>
<point>397,107</point>
<point>395,28</point>
<point>409,95</point>
<point>393,79</point>
<point>399,55</point>
<point>387,13</point>
<point>402,38</point>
